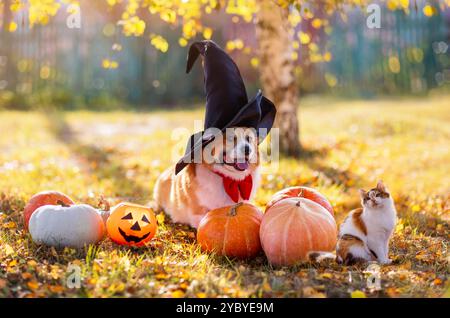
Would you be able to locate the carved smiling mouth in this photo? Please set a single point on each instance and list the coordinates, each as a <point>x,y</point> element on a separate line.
<point>132,238</point>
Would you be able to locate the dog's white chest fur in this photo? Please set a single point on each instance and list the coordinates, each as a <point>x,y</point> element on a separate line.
<point>211,193</point>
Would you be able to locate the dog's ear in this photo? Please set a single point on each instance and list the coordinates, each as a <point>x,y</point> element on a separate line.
<point>191,169</point>
<point>179,166</point>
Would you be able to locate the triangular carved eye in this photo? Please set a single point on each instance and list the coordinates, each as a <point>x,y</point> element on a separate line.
<point>129,216</point>
<point>144,219</point>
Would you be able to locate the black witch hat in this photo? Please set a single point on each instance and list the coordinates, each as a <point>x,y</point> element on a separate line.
<point>227,104</point>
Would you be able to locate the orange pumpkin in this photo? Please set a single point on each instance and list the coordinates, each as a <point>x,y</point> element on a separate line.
<point>232,231</point>
<point>131,224</point>
<point>292,227</point>
<point>303,192</point>
<point>41,199</point>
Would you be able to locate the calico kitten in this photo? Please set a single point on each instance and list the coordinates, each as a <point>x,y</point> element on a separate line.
<point>365,233</point>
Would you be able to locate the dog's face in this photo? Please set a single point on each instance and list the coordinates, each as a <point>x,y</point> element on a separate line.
<point>235,153</point>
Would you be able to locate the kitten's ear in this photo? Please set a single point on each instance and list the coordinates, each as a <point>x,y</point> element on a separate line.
<point>362,193</point>
<point>381,186</point>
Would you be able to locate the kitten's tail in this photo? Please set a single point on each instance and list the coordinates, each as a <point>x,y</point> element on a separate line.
<point>319,257</point>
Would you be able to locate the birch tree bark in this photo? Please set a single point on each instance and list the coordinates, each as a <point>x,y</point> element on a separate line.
<point>277,72</point>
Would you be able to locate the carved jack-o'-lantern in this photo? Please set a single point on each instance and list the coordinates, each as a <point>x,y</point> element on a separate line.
<point>131,224</point>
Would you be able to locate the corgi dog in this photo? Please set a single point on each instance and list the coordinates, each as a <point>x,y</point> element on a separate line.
<point>231,176</point>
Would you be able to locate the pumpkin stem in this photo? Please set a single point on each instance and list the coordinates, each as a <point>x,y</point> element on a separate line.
<point>299,203</point>
<point>61,203</point>
<point>234,208</point>
<point>104,204</point>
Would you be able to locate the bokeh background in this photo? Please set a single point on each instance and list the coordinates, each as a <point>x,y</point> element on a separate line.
<point>99,67</point>
<point>91,112</point>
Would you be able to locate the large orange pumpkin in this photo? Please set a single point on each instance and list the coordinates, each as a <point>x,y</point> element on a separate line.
<point>131,224</point>
<point>41,199</point>
<point>303,192</point>
<point>292,227</point>
<point>232,231</point>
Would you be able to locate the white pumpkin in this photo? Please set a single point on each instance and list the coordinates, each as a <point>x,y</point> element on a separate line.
<point>72,226</point>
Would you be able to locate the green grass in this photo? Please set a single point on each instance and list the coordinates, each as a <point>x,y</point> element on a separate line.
<point>348,145</point>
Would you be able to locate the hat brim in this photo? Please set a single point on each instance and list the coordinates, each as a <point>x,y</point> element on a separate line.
<point>246,117</point>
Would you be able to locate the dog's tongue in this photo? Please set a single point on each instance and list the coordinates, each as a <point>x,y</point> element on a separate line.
<point>241,165</point>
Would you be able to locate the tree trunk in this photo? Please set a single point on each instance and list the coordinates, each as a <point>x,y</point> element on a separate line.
<point>277,72</point>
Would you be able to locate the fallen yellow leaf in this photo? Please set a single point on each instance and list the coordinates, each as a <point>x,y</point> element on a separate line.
<point>33,285</point>
<point>358,294</point>
<point>160,218</point>
<point>326,275</point>
<point>10,225</point>
<point>26,275</point>
<point>178,294</point>
<point>12,263</point>
<point>8,249</point>
<point>32,263</point>
<point>56,289</point>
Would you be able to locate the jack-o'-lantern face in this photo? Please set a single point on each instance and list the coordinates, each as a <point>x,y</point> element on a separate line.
<point>131,224</point>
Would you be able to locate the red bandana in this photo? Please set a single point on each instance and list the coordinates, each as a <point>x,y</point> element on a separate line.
<point>233,187</point>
